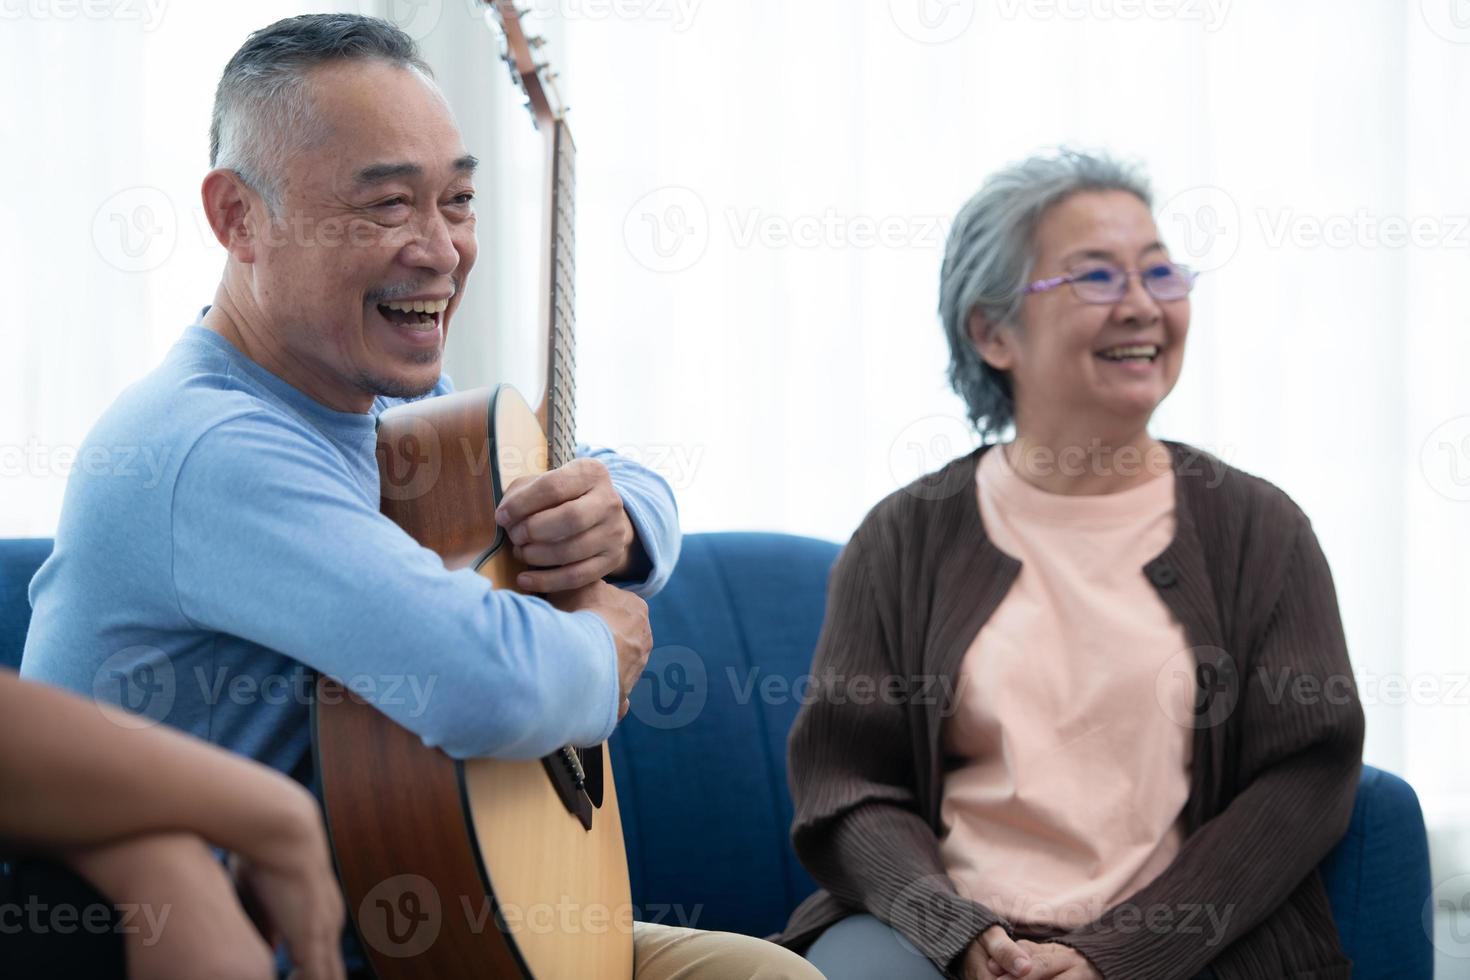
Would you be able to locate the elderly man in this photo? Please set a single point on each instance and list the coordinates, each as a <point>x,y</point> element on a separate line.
<point>200,594</point>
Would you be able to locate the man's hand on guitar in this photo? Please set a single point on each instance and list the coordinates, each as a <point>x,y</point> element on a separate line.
<point>569,524</point>
<point>627,616</point>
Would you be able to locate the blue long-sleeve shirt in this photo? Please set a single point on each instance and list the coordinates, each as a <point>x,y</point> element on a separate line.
<point>220,534</point>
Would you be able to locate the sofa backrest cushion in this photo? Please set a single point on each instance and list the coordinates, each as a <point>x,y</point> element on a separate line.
<point>19,559</point>
<point>700,760</point>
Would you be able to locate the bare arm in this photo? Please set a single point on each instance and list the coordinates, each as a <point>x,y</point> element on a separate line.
<point>60,755</point>
<point>166,794</point>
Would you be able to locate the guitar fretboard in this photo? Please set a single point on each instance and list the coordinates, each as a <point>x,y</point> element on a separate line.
<point>561,393</point>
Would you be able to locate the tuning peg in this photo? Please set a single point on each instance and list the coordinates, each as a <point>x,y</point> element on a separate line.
<point>536,42</point>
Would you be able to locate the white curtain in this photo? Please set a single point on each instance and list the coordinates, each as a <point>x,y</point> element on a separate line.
<point>106,252</point>
<point>764,191</point>
<point>764,188</point>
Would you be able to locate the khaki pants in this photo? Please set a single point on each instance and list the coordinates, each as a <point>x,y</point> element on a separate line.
<point>672,953</point>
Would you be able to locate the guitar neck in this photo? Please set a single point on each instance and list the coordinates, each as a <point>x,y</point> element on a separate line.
<point>559,299</point>
<point>557,411</point>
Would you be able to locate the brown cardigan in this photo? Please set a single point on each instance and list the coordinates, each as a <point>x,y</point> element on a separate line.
<point>1276,759</point>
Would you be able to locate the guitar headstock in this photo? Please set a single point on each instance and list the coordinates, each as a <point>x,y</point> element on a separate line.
<point>534,78</point>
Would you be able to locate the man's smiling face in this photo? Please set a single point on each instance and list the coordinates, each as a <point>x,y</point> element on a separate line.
<point>375,210</point>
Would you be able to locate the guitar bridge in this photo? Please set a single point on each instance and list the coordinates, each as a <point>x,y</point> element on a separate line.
<point>565,770</point>
<point>574,766</point>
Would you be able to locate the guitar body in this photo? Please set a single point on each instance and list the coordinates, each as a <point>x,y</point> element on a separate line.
<point>482,868</point>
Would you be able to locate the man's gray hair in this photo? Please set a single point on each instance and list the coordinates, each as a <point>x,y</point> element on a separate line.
<point>989,257</point>
<point>262,107</point>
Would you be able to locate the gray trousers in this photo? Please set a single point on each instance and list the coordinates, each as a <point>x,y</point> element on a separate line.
<point>862,948</point>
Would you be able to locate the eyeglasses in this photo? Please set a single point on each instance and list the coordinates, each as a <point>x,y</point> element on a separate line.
<point>1103,282</point>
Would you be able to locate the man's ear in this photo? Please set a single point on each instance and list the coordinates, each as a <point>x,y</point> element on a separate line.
<point>235,212</point>
<point>992,342</point>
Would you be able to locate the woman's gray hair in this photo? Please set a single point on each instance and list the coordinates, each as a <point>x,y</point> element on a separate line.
<point>262,108</point>
<point>989,257</point>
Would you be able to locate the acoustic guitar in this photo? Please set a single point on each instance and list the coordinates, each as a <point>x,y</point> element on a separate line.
<point>483,868</point>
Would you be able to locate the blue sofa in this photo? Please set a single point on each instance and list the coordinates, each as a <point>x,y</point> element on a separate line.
<point>700,761</point>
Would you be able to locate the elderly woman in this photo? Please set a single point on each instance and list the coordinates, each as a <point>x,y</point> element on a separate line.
<point>1149,734</point>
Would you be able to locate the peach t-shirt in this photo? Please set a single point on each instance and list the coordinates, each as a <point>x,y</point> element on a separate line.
<point>1071,776</point>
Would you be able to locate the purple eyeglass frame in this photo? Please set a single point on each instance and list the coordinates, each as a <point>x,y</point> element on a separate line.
<point>1042,285</point>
